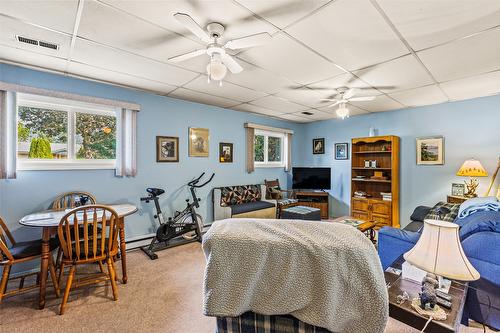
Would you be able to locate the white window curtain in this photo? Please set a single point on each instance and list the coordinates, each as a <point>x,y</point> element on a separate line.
<point>126,163</point>
<point>8,134</point>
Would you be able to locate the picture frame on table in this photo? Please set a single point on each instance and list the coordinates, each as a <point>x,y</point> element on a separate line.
<point>430,150</point>
<point>225,152</point>
<point>167,149</point>
<point>341,151</point>
<point>457,189</point>
<point>319,146</point>
<point>199,142</point>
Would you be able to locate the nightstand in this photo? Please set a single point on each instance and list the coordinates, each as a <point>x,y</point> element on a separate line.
<point>456,199</point>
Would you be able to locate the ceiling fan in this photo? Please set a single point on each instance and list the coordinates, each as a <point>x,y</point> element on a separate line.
<point>220,60</point>
<point>346,95</point>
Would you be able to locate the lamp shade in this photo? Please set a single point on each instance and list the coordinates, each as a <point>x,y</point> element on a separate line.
<point>440,252</point>
<point>472,168</point>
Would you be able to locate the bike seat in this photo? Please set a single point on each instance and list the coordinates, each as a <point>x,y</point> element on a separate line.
<point>155,192</point>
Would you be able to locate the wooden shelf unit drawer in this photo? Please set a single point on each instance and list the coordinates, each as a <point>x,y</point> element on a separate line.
<point>380,207</point>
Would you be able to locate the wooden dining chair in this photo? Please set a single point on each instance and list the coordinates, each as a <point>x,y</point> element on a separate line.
<point>72,200</point>
<point>89,234</point>
<point>18,252</point>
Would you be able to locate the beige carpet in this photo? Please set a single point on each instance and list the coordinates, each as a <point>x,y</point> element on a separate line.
<point>161,296</point>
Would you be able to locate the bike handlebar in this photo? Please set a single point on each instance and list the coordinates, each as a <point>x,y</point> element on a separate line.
<point>194,182</point>
<point>205,183</point>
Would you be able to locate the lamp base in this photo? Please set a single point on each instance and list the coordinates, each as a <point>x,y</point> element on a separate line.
<point>437,313</point>
<point>471,188</point>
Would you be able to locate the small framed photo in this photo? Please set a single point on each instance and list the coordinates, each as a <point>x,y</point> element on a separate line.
<point>225,152</point>
<point>342,151</point>
<point>167,149</point>
<point>458,189</point>
<point>319,146</point>
<point>198,142</point>
<point>430,150</point>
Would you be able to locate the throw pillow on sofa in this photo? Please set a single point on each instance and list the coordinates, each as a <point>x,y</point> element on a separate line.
<point>450,217</point>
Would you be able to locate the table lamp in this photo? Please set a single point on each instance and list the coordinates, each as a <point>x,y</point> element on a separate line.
<point>439,252</point>
<point>472,168</point>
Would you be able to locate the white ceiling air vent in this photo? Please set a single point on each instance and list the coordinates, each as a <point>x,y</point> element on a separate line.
<point>36,42</point>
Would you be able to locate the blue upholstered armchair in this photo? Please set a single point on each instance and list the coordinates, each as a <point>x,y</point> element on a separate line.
<point>480,236</point>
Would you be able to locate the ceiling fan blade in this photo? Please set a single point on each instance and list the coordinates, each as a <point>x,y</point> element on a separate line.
<point>249,41</point>
<point>328,100</point>
<point>231,64</point>
<point>334,104</point>
<point>362,99</point>
<point>187,56</point>
<point>349,93</point>
<point>191,24</point>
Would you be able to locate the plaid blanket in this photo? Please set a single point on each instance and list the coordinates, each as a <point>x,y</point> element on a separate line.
<point>251,322</point>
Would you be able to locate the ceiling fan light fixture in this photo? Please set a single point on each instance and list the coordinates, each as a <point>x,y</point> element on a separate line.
<point>216,70</point>
<point>342,111</point>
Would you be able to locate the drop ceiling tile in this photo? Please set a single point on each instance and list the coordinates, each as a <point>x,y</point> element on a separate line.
<point>195,96</point>
<point>104,24</point>
<point>286,57</point>
<point>90,72</point>
<point>402,73</point>
<point>248,107</point>
<point>294,118</point>
<point>107,58</point>
<point>303,96</point>
<point>420,96</point>
<point>471,87</point>
<point>353,34</point>
<point>30,58</point>
<point>428,23</point>
<point>328,87</point>
<point>353,111</point>
<point>58,15</point>
<point>227,90</point>
<point>258,79</point>
<point>9,28</point>
<point>381,103</point>
<point>466,57</point>
<point>238,21</point>
<point>279,104</point>
<point>282,13</point>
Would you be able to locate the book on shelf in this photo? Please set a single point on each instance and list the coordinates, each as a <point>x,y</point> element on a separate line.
<point>386,196</point>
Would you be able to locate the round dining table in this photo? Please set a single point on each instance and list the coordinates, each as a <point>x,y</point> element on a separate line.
<point>49,221</point>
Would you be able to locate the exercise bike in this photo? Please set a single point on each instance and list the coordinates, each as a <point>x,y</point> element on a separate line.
<point>186,223</point>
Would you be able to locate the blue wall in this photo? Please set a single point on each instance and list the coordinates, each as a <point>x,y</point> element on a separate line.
<point>34,190</point>
<point>471,128</point>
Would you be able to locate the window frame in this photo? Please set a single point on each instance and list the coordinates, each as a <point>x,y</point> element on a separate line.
<point>266,163</point>
<point>71,107</point>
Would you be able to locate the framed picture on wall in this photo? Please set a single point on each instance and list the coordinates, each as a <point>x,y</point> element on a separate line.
<point>342,151</point>
<point>167,149</point>
<point>430,150</point>
<point>319,146</point>
<point>198,142</point>
<point>225,152</point>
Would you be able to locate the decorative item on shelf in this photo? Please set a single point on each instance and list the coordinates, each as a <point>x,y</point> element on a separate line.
<point>430,150</point>
<point>198,142</point>
<point>373,164</point>
<point>319,146</point>
<point>167,149</point>
<point>360,177</point>
<point>360,194</point>
<point>225,152</point>
<point>439,251</point>
<point>373,132</point>
<point>472,168</point>
<point>457,189</point>
<point>367,164</point>
<point>378,175</point>
<point>341,151</point>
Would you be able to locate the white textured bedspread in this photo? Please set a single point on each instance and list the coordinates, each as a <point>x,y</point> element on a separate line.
<point>325,274</point>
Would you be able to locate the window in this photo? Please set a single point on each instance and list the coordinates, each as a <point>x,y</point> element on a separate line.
<point>269,149</point>
<point>55,133</point>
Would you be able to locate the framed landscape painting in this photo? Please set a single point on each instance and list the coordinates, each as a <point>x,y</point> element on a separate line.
<point>198,142</point>
<point>430,150</point>
<point>167,149</point>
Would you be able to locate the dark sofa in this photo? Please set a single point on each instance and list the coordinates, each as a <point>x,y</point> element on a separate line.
<point>480,237</point>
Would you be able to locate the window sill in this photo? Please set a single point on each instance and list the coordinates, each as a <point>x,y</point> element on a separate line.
<point>269,165</point>
<point>51,165</point>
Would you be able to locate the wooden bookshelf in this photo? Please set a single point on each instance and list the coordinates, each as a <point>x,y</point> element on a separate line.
<point>385,151</point>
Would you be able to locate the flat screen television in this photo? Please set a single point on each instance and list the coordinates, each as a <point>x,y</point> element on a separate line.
<point>311,178</point>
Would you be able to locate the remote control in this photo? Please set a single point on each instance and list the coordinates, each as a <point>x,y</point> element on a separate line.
<point>444,303</point>
<point>443,295</point>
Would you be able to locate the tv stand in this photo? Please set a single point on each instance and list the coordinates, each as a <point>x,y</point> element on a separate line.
<point>316,199</point>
